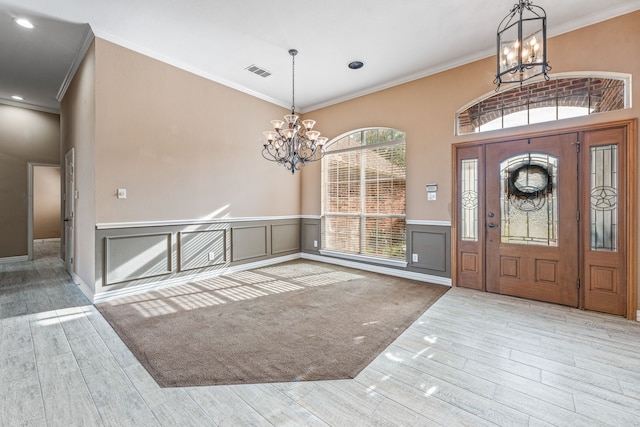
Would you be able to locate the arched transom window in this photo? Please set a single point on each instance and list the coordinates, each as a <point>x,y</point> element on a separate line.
<point>364,195</point>
<point>556,99</point>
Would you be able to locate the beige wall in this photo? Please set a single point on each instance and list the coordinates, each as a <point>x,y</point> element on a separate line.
<point>183,147</point>
<point>425,109</point>
<point>25,136</point>
<point>187,148</point>
<point>46,202</point>
<point>78,113</point>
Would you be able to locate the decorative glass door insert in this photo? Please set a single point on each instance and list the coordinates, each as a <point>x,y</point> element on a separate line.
<point>604,198</point>
<point>529,199</point>
<point>469,200</point>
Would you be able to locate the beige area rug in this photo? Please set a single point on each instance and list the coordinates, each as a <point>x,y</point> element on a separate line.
<point>295,321</point>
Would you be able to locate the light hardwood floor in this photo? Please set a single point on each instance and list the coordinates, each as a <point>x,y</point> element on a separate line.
<point>472,359</point>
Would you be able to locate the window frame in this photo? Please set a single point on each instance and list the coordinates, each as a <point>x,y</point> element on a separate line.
<point>362,214</point>
<point>623,77</point>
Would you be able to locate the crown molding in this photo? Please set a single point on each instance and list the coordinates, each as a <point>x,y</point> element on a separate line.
<point>75,64</point>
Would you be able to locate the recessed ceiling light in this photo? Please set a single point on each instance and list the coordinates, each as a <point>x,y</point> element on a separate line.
<point>356,65</point>
<point>24,23</point>
<point>17,97</point>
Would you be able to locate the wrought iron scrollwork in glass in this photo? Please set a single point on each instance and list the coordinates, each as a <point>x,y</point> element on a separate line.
<point>604,198</point>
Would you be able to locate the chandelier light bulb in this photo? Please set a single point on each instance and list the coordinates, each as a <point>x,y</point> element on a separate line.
<point>308,124</point>
<point>313,135</point>
<point>288,133</point>
<point>269,135</point>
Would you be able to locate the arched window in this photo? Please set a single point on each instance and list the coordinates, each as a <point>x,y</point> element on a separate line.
<point>364,195</point>
<point>561,97</point>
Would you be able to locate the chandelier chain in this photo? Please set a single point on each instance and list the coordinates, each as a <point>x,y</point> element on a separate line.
<point>293,83</point>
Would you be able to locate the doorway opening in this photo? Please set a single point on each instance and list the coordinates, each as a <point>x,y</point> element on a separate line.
<point>44,211</point>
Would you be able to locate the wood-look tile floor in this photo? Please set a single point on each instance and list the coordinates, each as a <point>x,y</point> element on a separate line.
<point>472,359</point>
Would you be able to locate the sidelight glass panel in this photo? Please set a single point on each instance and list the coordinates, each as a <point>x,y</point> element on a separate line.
<point>604,198</point>
<point>529,199</point>
<point>469,200</point>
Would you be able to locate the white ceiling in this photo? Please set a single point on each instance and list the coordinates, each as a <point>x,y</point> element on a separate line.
<point>398,40</point>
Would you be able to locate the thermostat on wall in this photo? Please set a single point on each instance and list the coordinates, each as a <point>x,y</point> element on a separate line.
<point>432,187</point>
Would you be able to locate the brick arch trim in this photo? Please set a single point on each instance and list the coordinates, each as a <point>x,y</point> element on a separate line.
<point>596,92</point>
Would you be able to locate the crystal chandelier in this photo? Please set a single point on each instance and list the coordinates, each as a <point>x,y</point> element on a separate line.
<point>290,143</point>
<point>522,44</point>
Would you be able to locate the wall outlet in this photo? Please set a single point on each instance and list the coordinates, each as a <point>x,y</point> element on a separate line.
<point>212,256</point>
<point>414,257</point>
<point>315,243</point>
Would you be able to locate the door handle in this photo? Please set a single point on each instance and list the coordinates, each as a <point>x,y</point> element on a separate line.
<point>492,225</point>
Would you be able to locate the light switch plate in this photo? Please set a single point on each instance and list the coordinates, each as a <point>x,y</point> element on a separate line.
<point>122,193</point>
<point>431,196</point>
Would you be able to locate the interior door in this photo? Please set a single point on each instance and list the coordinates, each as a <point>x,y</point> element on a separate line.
<point>69,206</point>
<point>531,218</point>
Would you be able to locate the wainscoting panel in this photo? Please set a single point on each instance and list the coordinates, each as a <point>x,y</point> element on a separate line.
<point>145,256</point>
<point>137,257</point>
<point>200,249</point>
<point>311,235</point>
<point>285,238</point>
<point>429,249</point>
<point>248,242</point>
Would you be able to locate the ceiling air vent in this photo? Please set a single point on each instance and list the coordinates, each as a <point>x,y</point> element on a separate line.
<point>259,71</point>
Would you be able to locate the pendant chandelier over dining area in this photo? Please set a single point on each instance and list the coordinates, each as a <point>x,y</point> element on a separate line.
<point>293,143</point>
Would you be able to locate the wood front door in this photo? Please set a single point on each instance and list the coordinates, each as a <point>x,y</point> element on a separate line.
<point>531,218</point>
<point>550,217</point>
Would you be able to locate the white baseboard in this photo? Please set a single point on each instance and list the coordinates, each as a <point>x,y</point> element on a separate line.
<point>86,290</point>
<point>135,290</point>
<point>379,269</point>
<point>9,259</point>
